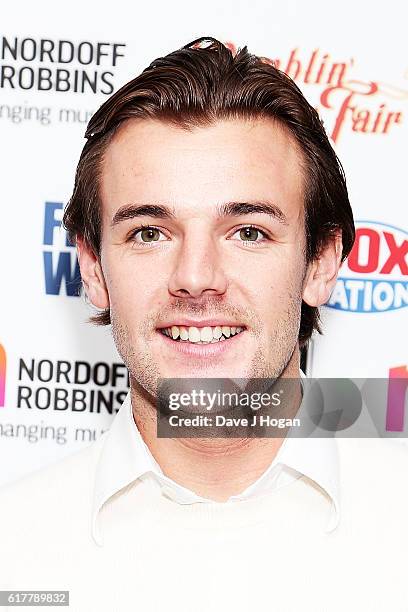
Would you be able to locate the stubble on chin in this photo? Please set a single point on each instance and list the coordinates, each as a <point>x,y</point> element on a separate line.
<point>277,348</point>
<point>273,352</point>
<point>142,368</point>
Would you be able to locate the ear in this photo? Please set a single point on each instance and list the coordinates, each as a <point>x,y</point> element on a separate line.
<point>92,275</point>
<point>322,272</point>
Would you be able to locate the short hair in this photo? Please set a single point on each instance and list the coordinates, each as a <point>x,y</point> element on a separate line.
<point>196,86</point>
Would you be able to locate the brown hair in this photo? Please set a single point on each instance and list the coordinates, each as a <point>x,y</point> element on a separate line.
<point>197,85</point>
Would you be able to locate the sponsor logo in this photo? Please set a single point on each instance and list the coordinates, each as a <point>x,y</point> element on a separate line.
<point>45,64</point>
<point>374,278</point>
<point>345,101</point>
<point>2,375</point>
<point>65,385</point>
<point>397,391</point>
<point>61,268</point>
<point>73,386</point>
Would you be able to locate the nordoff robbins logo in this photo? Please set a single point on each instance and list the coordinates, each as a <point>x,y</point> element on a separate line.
<point>374,278</point>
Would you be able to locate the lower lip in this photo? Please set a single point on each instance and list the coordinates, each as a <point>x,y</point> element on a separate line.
<point>202,350</point>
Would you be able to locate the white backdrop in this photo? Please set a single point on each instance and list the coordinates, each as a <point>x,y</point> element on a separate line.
<point>61,380</point>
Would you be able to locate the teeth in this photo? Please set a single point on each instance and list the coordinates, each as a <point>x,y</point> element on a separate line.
<point>183,333</point>
<point>226,331</point>
<point>204,335</point>
<point>194,334</point>
<point>217,333</point>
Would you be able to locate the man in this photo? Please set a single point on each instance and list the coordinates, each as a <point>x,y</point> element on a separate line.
<point>211,217</point>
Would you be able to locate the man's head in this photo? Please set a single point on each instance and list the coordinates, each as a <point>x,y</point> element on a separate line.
<point>208,196</point>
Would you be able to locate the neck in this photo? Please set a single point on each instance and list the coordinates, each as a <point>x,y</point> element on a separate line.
<point>214,468</point>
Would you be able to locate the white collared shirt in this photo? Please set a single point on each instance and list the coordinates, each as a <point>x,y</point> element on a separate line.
<point>126,458</point>
<point>265,548</point>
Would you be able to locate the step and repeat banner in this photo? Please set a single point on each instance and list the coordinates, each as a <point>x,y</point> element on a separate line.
<point>61,380</point>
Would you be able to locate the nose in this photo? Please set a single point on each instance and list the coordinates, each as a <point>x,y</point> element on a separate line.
<point>197,269</point>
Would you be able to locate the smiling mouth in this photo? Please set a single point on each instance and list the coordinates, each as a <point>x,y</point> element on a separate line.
<point>201,335</point>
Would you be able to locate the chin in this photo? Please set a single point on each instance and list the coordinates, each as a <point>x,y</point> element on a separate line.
<point>200,370</point>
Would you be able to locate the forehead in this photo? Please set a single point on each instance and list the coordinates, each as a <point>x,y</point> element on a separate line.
<point>149,161</point>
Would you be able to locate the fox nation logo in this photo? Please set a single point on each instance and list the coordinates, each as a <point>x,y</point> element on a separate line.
<point>374,278</point>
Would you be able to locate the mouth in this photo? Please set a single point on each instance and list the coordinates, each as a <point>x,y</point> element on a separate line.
<point>195,335</point>
<point>209,341</point>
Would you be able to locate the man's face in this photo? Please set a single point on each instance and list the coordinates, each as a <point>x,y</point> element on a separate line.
<point>203,232</point>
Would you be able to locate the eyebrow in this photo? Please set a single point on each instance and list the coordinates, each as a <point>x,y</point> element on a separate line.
<point>228,209</point>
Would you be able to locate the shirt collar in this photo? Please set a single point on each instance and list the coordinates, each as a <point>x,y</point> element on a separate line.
<point>125,457</point>
<point>122,460</point>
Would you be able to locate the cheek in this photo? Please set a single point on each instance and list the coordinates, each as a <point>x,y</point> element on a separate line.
<point>135,286</point>
<point>271,279</point>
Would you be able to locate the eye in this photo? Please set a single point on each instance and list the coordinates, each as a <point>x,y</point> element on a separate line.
<point>250,234</point>
<point>147,234</point>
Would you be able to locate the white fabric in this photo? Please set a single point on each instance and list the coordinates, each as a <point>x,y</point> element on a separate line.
<point>126,458</point>
<point>269,551</point>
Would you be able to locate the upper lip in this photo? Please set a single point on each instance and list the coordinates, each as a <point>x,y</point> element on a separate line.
<point>188,322</point>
